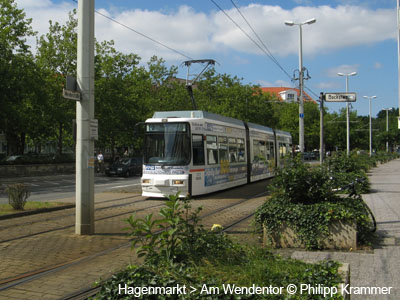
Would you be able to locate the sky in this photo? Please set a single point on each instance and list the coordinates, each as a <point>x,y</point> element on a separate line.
<point>348,36</point>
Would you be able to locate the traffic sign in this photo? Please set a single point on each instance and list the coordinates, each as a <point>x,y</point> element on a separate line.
<point>94,129</point>
<point>340,97</point>
<point>71,95</point>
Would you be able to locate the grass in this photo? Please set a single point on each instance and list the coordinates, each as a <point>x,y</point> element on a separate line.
<point>264,268</point>
<point>6,209</point>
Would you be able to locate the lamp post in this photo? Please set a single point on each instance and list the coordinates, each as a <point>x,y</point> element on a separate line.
<point>347,110</point>
<point>370,124</point>
<point>387,126</point>
<point>301,78</point>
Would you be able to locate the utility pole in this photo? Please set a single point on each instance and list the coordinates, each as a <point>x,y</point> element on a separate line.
<point>301,79</point>
<point>398,55</point>
<point>84,222</point>
<point>321,129</point>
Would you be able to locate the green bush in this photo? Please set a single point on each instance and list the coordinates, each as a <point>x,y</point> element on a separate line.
<point>298,182</point>
<point>303,198</point>
<point>17,195</point>
<point>345,169</point>
<point>177,236</point>
<point>177,251</point>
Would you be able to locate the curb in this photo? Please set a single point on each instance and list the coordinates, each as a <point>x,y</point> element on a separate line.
<point>344,272</point>
<point>34,212</point>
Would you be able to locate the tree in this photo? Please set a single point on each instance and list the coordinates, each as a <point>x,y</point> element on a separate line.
<point>56,55</point>
<point>17,75</point>
<point>122,90</point>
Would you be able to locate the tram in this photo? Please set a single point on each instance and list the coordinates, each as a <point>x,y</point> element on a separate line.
<point>197,152</point>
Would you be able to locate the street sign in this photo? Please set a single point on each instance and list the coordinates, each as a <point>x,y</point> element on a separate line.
<point>71,95</point>
<point>340,97</point>
<point>94,129</point>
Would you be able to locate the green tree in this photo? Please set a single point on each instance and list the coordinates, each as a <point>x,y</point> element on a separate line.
<point>18,82</point>
<point>56,55</point>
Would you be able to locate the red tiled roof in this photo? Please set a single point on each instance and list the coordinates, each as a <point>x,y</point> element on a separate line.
<point>276,90</point>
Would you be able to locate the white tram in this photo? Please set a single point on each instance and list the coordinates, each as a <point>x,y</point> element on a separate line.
<point>197,152</point>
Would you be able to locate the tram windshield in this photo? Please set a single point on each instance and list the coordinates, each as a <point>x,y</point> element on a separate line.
<point>167,144</point>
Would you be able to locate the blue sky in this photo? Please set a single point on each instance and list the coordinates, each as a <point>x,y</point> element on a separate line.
<point>349,35</point>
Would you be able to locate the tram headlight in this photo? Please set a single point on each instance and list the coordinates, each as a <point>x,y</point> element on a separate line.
<point>145,181</point>
<point>178,182</point>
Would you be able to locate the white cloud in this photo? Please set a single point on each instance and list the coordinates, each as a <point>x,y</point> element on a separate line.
<point>276,83</point>
<point>198,34</point>
<point>329,85</point>
<point>345,69</point>
<point>336,28</point>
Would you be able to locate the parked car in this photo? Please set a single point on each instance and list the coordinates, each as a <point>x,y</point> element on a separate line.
<point>126,166</point>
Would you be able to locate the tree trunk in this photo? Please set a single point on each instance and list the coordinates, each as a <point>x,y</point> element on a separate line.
<point>60,138</point>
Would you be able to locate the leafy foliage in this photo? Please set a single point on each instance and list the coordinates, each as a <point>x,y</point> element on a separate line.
<point>344,169</point>
<point>177,251</point>
<point>304,200</point>
<point>17,195</point>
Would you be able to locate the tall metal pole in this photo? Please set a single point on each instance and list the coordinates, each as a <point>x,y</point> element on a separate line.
<point>84,222</point>
<point>321,130</point>
<point>370,128</point>
<point>387,129</point>
<point>398,54</point>
<point>387,126</point>
<point>370,123</point>
<point>347,111</point>
<point>347,119</point>
<point>301,79</point>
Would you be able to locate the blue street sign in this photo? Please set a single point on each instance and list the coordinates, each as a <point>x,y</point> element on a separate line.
<point>301,115</point>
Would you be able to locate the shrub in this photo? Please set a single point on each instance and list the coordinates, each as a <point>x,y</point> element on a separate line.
<point>298,182</point>
<point>17,195</point>
<point>304,200</point>
<point>177,236</point>
<point>345,169</point>
<point>177,251</point>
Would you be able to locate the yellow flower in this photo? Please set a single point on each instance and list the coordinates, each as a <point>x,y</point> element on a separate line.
<point>216,228</point>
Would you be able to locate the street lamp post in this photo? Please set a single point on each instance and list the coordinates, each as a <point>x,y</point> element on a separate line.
<point>301,79</point>
<point>370,124</point>
<point>387,126</point>
<point>347,111</point>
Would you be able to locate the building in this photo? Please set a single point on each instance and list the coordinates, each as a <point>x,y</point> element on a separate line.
<point>286,94</point>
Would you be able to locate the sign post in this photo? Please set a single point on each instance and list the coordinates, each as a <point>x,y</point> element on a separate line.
<point>340,97</point>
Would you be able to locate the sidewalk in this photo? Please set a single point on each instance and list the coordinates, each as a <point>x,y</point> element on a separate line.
<point>381,268</point>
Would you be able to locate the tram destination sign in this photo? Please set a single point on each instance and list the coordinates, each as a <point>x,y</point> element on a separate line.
<point>340,97</point>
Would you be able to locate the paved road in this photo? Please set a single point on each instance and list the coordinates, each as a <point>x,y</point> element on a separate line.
<point>56,187</point>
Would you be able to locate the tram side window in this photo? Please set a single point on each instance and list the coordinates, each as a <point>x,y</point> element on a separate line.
<point>241,156</point>
<point>271,150</point>
<point>223,149</point>
<point>259,151</point>
<point>282,149</point>
<point>198,149</point>
<point>212,150</point>
<point>233,150</point>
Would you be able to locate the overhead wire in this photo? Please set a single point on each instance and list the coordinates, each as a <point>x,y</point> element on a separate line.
<point>270,55</point>
<point>141,34</point>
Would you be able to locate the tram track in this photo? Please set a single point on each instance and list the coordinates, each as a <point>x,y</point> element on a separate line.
<point>64,215</point>
<point>33,275</point>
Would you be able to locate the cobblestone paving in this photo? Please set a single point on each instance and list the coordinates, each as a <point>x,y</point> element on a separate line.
<point>42,251</point>
<point>379,268</point>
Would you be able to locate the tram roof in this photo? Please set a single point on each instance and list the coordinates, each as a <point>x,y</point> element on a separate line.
<point>283,133</point>
<point>196,114</point>
<point>260,127</point>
